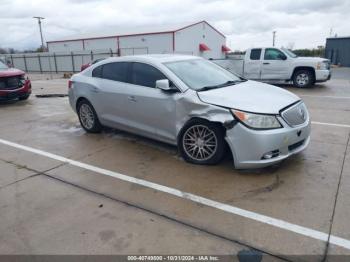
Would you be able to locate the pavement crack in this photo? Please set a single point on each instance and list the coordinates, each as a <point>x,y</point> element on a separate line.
<point>36,172</point>
<point>336,198</point>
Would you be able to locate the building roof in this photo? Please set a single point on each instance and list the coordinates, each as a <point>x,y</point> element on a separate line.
<point>338,38</point>
<point>141,30</point>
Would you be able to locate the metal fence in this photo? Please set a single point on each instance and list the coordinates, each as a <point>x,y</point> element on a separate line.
<point>63,62</point>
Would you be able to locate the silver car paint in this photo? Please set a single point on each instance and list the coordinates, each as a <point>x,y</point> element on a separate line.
<point>160,115</point>
<point>250,96</point>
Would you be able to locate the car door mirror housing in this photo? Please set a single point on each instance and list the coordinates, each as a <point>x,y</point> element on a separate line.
<point>282,57</point>
<point>164,85</point>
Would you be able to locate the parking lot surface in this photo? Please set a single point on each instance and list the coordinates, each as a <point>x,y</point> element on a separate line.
<point>117,193</point>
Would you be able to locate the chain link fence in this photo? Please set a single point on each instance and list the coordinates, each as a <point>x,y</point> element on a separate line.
<point>47,62</point>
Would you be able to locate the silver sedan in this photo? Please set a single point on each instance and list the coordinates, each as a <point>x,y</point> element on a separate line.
<point>192,103</point>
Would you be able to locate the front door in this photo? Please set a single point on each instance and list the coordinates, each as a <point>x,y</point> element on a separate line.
<point>153,111</point>
<point>275,65</point>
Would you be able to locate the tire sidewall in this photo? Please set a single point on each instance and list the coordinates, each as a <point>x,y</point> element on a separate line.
<point>218,131</point>
<point>96,128</point>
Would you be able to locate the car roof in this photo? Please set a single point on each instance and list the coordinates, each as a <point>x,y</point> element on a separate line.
<point>157,58</point>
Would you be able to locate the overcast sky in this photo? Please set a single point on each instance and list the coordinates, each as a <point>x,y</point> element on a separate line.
<point>248,23</point>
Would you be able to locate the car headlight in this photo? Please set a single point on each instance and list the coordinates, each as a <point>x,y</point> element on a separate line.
<point>22,80</point>
<point>322,65</point>
<point>257,121</point>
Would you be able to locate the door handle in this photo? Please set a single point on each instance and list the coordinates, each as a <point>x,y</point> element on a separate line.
<point>132,98</point>
<point>266,63</point>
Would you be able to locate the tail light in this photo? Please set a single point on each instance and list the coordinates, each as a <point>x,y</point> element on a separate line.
<point>70,83</point>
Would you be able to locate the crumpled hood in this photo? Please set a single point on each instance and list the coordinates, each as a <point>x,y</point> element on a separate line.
<point>250,96</point>
<point>11,72</point>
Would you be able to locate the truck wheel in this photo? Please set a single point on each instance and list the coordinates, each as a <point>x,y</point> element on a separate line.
<point>303,78</point>
<point>201,142</point>
<point>88,117</point>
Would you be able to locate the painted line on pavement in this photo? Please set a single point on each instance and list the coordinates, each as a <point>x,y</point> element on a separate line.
<point>329,124</point>
<point>315,234</point>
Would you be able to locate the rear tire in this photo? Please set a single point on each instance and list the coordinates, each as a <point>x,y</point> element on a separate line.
<point>303,78</point>
<point>88,117</point>
<point>202,142</point>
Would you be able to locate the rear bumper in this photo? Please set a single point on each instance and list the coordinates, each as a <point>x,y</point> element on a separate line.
<point>323,75</point>
<point>249,146</point>
<point>24,91</point>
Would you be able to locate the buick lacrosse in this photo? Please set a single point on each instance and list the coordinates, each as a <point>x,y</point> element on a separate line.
<point>192,103</point>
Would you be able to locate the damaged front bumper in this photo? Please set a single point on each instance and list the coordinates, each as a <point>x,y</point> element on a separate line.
<point>260,148</point>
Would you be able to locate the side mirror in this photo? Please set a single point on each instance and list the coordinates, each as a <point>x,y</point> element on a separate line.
<point>164,85</point>
<point>282,57</point>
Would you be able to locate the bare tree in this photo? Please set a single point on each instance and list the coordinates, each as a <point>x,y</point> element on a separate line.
<point>290,45</point>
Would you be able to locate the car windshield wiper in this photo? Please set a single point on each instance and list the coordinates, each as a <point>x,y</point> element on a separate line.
<point>228,83</point>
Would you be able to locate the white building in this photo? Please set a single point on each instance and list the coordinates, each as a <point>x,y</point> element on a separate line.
<point>200,39</point>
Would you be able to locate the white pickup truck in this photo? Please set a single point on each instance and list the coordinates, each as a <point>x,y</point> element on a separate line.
<point>279,65</point>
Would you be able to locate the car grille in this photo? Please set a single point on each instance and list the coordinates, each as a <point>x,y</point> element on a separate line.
<point>295,115</point>
<point>11,83</point>
<point>328,65</point>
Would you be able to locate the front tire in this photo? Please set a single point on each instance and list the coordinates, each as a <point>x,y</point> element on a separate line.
<point>303,78</point>
<point>88,117</point>
<point>202,142</point>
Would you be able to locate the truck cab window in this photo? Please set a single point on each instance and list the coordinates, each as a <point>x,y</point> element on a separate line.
<point>255,54</point>
<point>274,54</point>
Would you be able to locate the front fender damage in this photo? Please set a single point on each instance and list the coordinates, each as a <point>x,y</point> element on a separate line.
<point>191,107</point>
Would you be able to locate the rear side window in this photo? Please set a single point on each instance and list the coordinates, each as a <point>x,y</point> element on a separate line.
<point>145,75</point>
<point>115,71</point>
<point>255,54</point>
<point>97,72</point>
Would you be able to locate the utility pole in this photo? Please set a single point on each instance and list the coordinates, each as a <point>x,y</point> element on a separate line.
<point>273,38</point>
<point>41,32</point>
<point>331,32</point>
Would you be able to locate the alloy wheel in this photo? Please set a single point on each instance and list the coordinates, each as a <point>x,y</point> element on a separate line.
<point>87,116</point>
<point>302,79</point>
<point>199,142</point>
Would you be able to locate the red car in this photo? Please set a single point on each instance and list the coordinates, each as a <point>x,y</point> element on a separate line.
<point>13,84</point>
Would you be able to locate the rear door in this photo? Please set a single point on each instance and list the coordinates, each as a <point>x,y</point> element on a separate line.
<point>110,94</point>
<point>153,110</point>
<point>252,64</point>
<point>275,65</point>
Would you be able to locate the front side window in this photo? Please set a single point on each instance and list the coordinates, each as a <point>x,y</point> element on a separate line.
<point>116,71</point>
<point>199,73</point>
<point>145,75</point>
<point>255,54</point>
<point>273,54</point>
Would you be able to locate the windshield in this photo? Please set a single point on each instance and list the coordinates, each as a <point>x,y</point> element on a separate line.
<point>3,66</point>
<point>289,53</point>
<point>200,74</point>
